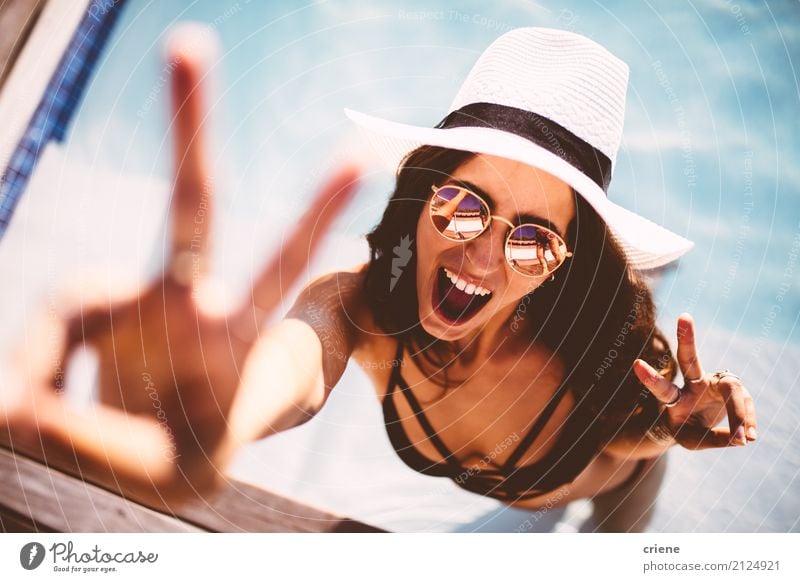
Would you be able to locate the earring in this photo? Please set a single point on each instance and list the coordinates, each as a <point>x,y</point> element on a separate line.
<point>552,277</point>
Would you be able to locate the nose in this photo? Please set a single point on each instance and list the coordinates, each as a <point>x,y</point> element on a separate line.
<point>485,253</point>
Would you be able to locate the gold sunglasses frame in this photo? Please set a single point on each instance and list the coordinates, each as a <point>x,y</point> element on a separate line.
<point>505,221</point>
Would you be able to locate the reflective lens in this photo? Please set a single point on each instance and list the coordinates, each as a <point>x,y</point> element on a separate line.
<point>458,214</point>
<point>535,250</point>
<point>461,215</point>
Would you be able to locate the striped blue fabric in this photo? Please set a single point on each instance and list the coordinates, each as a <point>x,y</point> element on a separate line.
<point>51,118</point>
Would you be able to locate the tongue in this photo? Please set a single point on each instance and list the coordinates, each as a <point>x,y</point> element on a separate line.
<point>457,304</point>
<point>456,300</point>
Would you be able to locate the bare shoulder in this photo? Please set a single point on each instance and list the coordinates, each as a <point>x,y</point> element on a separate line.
<point>334,306</point>
<point>333,298</point>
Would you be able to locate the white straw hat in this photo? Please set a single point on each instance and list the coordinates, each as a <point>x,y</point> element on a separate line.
<point>548,98</point>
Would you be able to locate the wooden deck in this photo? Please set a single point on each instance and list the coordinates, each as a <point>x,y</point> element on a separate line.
<point>34,497</point>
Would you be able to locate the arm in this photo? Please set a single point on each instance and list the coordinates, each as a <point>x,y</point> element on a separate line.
<point>304,357</point>
<point>637,441</point>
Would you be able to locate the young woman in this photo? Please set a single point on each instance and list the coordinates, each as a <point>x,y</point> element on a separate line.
<point>504,291</point>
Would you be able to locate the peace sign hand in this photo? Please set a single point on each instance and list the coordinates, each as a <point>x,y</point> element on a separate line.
<point>692,412</point>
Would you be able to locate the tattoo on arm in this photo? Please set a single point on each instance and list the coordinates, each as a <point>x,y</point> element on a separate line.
<point>326,307</point>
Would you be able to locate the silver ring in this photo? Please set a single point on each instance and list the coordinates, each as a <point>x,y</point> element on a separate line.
<point>674,400</point>
<point>724,374</point>
<point>688,381</point>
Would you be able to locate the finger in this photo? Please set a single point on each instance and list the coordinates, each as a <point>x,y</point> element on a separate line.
<point>190,49</point>
<point>559,256</point>
<point>664,390</point>
<point>85,328</point>
<point>699,438</point>
<point>296,251</point>
<point>540,256</point>
<point>86,307</point>
<point>555,248</point>
<point>751,431</point>
<point>39,352</point>
<point>733,393</point>
<point>448,209</point>
<point>687,349</point>
<point>28,381</point>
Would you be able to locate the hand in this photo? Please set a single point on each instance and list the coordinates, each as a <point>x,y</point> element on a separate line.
<point>173,352</point>
<point>705,399</point>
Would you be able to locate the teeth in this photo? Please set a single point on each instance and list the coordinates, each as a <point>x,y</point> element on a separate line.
<point>462,285</point>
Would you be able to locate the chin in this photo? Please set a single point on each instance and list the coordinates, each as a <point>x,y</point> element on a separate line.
<point>441,330</point>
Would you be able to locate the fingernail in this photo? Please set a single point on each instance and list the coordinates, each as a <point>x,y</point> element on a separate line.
<point>739,436</point>
<point>751,432</point>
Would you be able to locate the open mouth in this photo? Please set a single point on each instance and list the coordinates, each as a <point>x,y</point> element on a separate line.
<point>456,301</point>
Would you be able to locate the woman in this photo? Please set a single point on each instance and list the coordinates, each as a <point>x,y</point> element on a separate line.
<point>503,287</point>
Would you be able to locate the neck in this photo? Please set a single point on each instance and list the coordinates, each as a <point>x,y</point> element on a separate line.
<point>489,340</point>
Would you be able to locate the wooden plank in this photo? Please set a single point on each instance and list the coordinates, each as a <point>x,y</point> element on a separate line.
<point>50,499</point>
<point>63,503</point>
<point>240,507</point>
<point>12,522</point>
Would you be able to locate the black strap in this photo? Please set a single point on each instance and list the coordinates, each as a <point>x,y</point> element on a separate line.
<point>397,434</point>
<point>540,130</point>
<point>398,380</point>
<point>537,427</point>
<point>447,455</point>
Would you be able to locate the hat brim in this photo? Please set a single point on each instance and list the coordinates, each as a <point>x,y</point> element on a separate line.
<point>646,244</point>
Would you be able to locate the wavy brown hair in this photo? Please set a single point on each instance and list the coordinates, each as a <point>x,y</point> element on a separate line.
<point>597,315</point>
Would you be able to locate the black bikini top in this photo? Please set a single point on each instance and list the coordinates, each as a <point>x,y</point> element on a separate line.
<point>573,451</point>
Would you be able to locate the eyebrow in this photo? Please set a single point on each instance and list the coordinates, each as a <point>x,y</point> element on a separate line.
<point>521,218</point>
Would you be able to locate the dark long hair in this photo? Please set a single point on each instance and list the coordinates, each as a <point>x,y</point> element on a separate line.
<point>597,315</point>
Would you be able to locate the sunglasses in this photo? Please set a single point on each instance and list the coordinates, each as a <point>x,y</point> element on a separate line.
<point>460,215</point>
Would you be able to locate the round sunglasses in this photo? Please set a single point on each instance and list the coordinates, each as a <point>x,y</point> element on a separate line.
<point>461,215</point>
